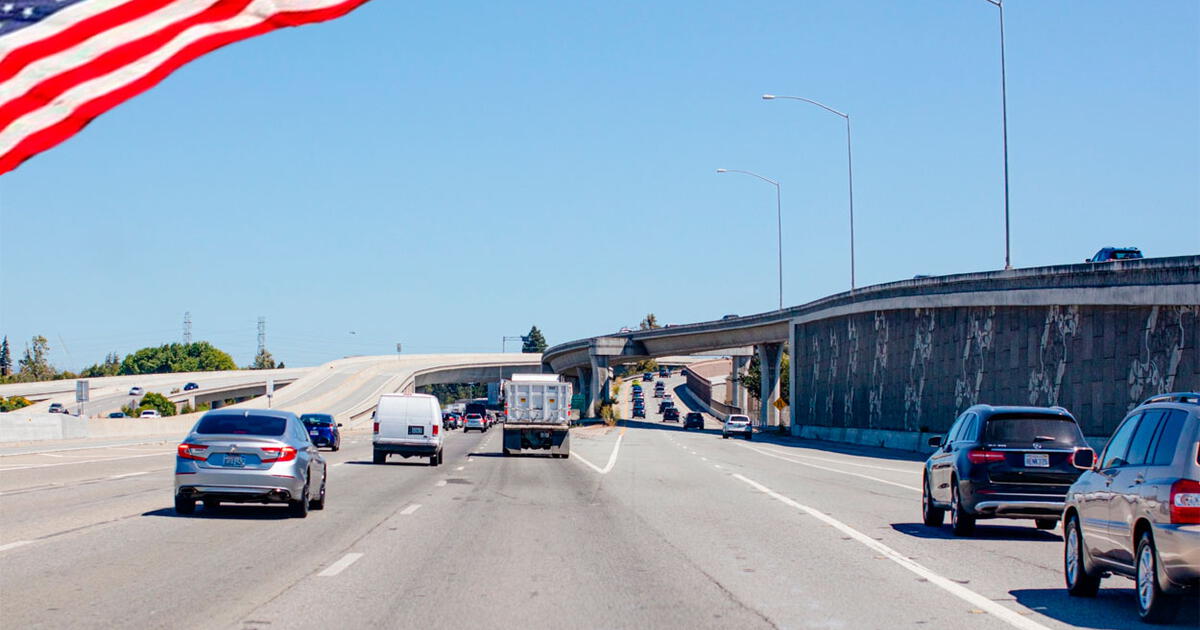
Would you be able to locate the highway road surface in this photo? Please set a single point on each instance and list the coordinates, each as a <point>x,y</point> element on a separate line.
<point>644,526</point>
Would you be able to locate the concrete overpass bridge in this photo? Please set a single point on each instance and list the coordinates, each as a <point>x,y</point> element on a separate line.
<point>907,355</point>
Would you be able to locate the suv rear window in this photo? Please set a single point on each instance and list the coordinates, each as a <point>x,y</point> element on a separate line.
<point>1060,431</point>
<point>242,425</point>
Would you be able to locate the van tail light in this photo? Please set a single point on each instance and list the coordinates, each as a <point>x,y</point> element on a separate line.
<point>278,454</point>
<point>435,429</point>
<point>984,457</point>
<point>1185,501</point>
<point>376,429</point>
<point>193,451</point>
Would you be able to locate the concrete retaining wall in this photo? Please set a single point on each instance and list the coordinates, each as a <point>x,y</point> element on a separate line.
<point>16,427</point>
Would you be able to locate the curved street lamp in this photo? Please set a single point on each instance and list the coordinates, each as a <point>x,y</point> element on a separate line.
<point>849,165</point>
<point>778,220</point>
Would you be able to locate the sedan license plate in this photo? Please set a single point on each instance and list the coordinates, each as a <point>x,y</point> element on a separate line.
<point>416,430</point>
<point>1037,460</point>
<point>313,432</point>
<point>234,460</point>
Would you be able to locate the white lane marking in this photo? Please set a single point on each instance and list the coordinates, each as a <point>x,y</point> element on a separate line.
<point>144,472</point>
<point>340,565</point>
<point>838,461</point>
<point>14,545</point>
<point>834,470</point>
<point>90,461</point>
<point>440,483</point>
<point>703,459</point>
<point>1007,615</point>
<point>338,464</point>
<point>612,458</point>
<point>410,509</point>
<point>460,468</point>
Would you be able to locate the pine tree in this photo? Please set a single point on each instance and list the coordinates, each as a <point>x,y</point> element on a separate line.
<point>650,322</point>
<point>5,358</point>
<point>263,361</point>
<point>534,341</point>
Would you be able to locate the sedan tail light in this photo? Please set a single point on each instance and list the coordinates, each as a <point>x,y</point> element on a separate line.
<point>1185,501</point>
<point>278,454</point>
<point>984,457</point>
<point>193,451</point>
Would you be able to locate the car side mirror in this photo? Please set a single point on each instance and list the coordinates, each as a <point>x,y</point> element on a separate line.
<point>1084,459</point>
<point>935,441</point>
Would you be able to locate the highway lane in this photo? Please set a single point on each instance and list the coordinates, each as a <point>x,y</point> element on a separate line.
<point>684,529</point>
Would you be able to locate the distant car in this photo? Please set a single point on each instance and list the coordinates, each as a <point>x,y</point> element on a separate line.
<point>736,425</point>
<point>665,405</point>
<point>1002,462</point>
<point>730,316</point>
<point>1136,510</point>
<point>625,329</point>
<point>475,422</point>
<point>323,430</point>
<point>117,414</point>
<point>694,419</point>
<point>136,391</point>
<point>670,414</point>
<point>57,408</point>
<point>1109,254</point>
<point>190,386</point>
<point>249,456</point>
<point>648,377</point>
<point>639,412</point>
<point>663,373</point>
<point>150,413</point>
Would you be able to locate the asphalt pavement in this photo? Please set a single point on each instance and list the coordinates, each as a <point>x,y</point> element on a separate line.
<point>644,526</point>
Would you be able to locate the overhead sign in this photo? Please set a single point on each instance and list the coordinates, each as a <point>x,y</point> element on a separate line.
<point>780,404</point>
<point>81,391</point>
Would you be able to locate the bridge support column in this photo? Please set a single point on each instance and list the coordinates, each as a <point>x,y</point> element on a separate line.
<point>735,387</point>
<point>599,384</point>
<point>770,356</point>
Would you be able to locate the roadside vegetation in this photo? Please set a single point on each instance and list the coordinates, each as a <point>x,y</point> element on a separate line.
<point>200,356</point>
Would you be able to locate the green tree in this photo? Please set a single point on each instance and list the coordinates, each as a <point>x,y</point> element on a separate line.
<point>649,322</point>
<point>155,400</point>
<point>34,365</point>
<point>200,356</point>
<point>5,358</point>
<point>752,381</point>
<point>110,367</point>
<point>263,360</point>
<point>534,341</point>
<point>13,403</point>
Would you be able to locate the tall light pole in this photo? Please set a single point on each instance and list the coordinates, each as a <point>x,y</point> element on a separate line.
<point>1004,131</point>
<point>849,166</point>
<point>778,220</point>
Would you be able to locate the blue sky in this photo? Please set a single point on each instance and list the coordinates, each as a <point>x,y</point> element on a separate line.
<point>445,175</point>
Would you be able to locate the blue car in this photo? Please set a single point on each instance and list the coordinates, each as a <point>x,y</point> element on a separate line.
<point>1109,254</point>
<point>323,430</point>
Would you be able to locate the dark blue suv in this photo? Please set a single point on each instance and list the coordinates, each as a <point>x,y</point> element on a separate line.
<point>323,430</point>
<point>1109,254</point>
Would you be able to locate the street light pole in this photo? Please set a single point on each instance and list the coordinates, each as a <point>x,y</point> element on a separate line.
<point>778,221</point>
<point>1004,131</point>
<point>849,167</point>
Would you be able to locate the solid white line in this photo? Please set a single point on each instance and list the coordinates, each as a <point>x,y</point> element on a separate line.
<point>90,461</point>
<point>589,464</point>
<point>338,464</point>
<point>340,565</point>
<point>410,509</point>
<point>144,472</point>
<point>834,470</point>
<point>612,458</point>
<point>1007,615</point>
<point>14,545</point>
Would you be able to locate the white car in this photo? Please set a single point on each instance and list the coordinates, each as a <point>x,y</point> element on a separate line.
<point>408,425</point>
<point>150,413</point>
<point>136,391</point>
<point>476,422</point>
<point>737,425</point>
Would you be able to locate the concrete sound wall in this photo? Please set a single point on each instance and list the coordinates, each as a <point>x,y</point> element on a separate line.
<point>915,363</point>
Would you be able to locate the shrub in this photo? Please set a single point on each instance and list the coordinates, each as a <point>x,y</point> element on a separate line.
<point>155,400</point>
<point>13,403</point>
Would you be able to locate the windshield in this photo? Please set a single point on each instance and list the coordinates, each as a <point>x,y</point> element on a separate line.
<point>1058,431</point>
<point>241,425</point>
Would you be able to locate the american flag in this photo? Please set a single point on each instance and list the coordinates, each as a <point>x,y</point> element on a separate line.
<point>65,62</point>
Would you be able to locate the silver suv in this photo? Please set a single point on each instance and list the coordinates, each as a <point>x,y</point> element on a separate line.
<point>1136,511</point>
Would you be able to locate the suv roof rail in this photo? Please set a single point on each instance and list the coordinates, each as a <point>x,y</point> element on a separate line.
<point>1175,397</point>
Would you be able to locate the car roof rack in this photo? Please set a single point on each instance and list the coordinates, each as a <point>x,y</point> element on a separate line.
<point>1175,397</point>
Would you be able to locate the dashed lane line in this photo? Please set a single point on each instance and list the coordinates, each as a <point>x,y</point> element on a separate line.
<point>833,470</point>
<point>9,468</point>
<point>460,468</point>
<point>14,545</point>
<point>341,565</point>
<point>1007,615</point>
<point>410,509</point>
<point>440,483</point>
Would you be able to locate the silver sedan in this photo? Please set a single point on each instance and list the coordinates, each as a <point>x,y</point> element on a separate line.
<point>249,456</point>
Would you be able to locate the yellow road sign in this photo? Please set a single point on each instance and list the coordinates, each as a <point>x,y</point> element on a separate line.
<point>780,404</point>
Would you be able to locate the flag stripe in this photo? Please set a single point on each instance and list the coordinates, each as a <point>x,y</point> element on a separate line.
<point>86,51</point>
<point>44,132</point>
<point>60,20</point>
<point>46,91</point>
<point>74,34</point>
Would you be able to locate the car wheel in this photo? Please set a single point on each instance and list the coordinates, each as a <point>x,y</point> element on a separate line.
<point>1154,605</point>
<point>380,457</point>
<point>184,505</point>
<point>319,502</point>
<point>931,515</point>
<point>337,446</point>
<point>961,522</point>
<point>724,436</point>
<point>1046,523</point>
<point>299,507</point>
<point>211,505</point>
<point>1080,583</point>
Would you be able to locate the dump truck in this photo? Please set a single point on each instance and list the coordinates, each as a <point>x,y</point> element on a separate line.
<point>537,409</point>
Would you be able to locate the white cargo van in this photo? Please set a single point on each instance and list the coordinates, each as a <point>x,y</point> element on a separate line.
<point>408,425</point>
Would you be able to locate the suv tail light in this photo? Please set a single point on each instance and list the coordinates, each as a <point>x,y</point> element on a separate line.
<point>193,451</point>
<point>984,457</point>
<point>278,454</point>
<point>1185,501</point>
